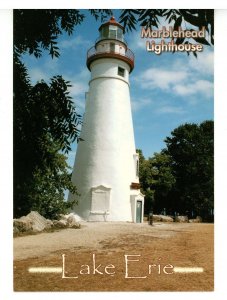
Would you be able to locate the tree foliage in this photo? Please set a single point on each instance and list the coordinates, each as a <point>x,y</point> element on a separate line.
<point>186,18</point>
<point>45,122</point>
<point>46,192</point>
<point>36,30</point>
<point>191,148</point>
<point>156,180</point>
<point>181,177</point>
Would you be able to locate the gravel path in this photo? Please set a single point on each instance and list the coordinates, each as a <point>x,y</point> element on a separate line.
<point>89,236</point>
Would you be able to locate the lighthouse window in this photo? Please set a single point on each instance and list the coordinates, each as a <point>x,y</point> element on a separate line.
<point>136,161</point>
<point>120,34</point>
<point>105,32</point>
<point>112,32</point>
<point>137,168</point>
<point>121,72</point>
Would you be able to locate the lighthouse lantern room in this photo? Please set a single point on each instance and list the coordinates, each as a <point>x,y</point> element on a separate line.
<point>106,169</point>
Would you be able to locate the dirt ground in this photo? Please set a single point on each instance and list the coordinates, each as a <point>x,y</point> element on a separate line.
<point>117,257</point>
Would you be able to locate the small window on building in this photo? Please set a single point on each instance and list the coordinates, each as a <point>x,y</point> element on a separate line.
<point>120,34</point>
<point>136,162</point>
<point>105,32</point>
<point>112,47</point>
<point>121,72</point>
<point>137,168</point>
<point>112,32</point>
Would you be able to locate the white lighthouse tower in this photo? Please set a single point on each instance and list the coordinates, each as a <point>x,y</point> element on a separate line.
<point>106,165</point>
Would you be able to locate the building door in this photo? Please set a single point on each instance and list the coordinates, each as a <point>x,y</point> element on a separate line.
<point>138,211</point>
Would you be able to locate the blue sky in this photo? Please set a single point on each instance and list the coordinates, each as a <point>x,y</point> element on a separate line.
<point>167,90</point>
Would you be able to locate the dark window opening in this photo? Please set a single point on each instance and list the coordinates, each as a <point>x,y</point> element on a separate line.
<point>121,72</point>
<point>112,34</point>
<point>112,47</point>
<point>137,168</point>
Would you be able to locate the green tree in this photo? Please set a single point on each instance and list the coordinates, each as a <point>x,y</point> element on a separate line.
<point>163,182</point>
<point>189,18</point>
<point>156,181</point>
<point>146,180</point>
<point>36,30</point>
<point>46,195</point>
<point>181,177</point>
<point>32,36</point>
<point>45,122</point>
<point>191,148</point>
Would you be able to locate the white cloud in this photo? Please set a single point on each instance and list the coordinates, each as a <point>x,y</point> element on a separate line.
<point>36,74</point>
<point>167,109</point>
<point>160,78</point>
<point>140,103</point>
<point>79,82</point>
<point>73,43</point>
<point>204,63</point>
<point>45,71</point>
<point>136,42</point>
<point>77,88</point>
<point>204,87</point>
<point>184,76</point>
<point>52,65</point>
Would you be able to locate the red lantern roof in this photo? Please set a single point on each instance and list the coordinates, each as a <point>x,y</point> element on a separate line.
<point>112,21</point>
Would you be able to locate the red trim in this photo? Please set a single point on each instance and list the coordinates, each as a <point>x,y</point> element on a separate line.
<point>126,59</point>
<point>135,186</point>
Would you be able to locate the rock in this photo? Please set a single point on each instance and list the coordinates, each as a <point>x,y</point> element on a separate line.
<point>181,219</point>
<point>72,220</point>
<point>166,219</point>
<point>33,222</point>
<point>72,223</point>
<point>49,224</point>
<point>75,216</point>
<point>197,220</point>
<point>60,223</point>
<point>162,218</point>
<point>64,217</point>
<point>39,223</point>
<point>157,218</point>
<point>193,221</point>
<point>15,230</point>
<point>22,224</point>
<point>67,221</point>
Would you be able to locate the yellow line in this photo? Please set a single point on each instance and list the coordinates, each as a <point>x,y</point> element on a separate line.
<point>187,270</point>
<point>45,270</point>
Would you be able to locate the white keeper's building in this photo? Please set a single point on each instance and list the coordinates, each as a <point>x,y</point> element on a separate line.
<point>106,164</point>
